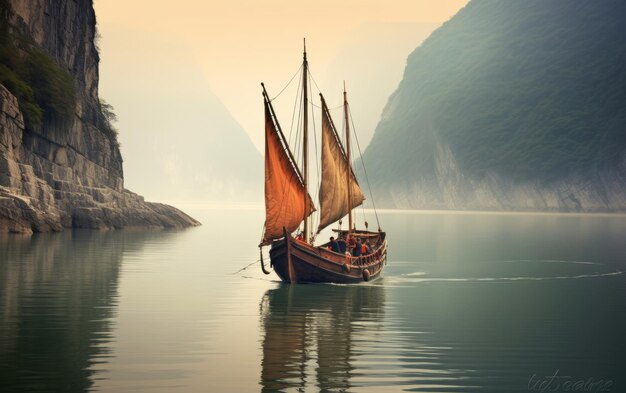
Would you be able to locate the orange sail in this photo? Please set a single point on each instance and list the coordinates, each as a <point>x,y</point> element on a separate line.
<point>287,202</point>
<point>335,181</point>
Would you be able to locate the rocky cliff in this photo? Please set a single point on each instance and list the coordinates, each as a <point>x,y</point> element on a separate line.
<point>510,106</point>
<point>64,172</point>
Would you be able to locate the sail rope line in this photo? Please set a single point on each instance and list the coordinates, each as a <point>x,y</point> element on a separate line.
<point>298,135</point>
<point>329,109</point>
<point>314,82</point>
<point>293,114</point>
<point>363,164</point>
<point>247,266</point>
<point>360,156</point>
<point>343,135</point>
<point>319,91</point>
<point>287,85</point>
<point>298,142</point>
<point>341,141</point>
<point>299,154</point>
<point>317,160</point>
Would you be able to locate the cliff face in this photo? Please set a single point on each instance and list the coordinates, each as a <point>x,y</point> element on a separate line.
<point>66,31</point>
<point>66,173</point>
<point>510,106</point>
<point>451,188</point>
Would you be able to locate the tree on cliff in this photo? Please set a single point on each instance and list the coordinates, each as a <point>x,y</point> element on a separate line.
<point>45,91</point>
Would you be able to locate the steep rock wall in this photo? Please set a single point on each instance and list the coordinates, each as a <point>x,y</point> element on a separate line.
<point>67,173</point>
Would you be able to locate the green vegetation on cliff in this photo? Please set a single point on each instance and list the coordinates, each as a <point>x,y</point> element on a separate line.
<point>45,91</point>
<point>531,90</point>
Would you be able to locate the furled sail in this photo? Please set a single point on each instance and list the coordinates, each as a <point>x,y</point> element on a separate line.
<point>287,202</point>
<point>335,179</point>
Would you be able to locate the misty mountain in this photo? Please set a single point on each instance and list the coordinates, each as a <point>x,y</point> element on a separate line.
<point>367,64</point>
<point>179,141</point>
<point>510,105</point>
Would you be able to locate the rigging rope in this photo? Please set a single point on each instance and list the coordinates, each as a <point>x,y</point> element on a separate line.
<point>364,170</point>
<point>293,114</point>
<point>298,103</point>
<point>329,109</point>
<point>317,160</point>
<point>247,266</point>
<point>319,91</point>
<point>299,133</point>
<point>313,79</point>
<point>287,85</point>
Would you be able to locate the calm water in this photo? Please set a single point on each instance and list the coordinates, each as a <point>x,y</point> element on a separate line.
<point>468,302</point>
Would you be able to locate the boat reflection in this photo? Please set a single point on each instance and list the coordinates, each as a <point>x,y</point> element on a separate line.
<point>310,333</point>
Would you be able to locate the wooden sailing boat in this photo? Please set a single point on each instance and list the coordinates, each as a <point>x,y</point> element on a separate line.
<point>288,204</point>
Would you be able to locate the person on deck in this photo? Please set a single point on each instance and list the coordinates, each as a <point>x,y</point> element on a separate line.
<point>368,247</point>
<point>351,244</point>
<point>342,245</point>
<point>300,237</point>
<point>334,246</point>
<point>356,251</point>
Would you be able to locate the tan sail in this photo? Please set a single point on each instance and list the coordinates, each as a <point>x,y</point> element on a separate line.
<point>335,169</point>
<point>287,202</point>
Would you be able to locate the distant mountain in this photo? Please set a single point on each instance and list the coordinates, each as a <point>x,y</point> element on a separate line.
<point>510,105</point>
<point>180,141</point>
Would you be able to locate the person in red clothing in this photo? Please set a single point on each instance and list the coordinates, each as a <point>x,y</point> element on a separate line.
<point>368,247</point>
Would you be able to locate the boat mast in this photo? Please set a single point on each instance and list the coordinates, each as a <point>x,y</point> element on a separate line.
<point>305,137</point>
<point>349,166</point>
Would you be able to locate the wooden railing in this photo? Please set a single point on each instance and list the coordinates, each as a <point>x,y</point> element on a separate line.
<point>368,259</point>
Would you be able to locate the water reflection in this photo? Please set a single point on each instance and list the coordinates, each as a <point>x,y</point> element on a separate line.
<point>466,303</point>
<point>311,334</point>
<point>438,336</point>
<point>58,294</point>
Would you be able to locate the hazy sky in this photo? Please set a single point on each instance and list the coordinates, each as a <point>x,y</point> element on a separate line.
<point>237,44</point>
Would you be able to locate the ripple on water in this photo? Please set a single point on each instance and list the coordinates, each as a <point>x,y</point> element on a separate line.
<point>575,270</point>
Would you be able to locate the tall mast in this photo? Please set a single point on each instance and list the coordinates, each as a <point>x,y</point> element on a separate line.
<point>349,166</point>
<point>305,137</point>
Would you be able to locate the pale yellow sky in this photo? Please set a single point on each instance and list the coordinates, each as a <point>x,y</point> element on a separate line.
<point>236,45</point>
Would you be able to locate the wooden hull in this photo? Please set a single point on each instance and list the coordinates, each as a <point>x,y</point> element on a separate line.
<point>295,261</point>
